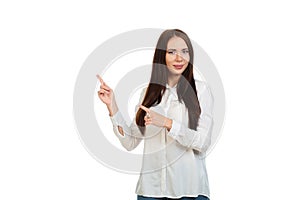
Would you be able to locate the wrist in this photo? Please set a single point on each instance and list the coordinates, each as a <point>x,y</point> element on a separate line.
<point>112,109</point>
<point>168,124</point>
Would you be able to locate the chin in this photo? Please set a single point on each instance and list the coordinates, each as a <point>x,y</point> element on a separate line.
<point>177,72</point>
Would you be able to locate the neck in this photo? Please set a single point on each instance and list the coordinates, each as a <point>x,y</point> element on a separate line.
<point>173,80</point>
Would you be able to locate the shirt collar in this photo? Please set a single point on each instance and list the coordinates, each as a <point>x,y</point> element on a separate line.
<point>169,87</point>
<point>172,90</point>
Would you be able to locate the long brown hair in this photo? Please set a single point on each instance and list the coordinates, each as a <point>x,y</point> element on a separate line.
<point>186,88</point>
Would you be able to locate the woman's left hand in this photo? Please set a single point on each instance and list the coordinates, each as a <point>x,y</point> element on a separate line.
<point>156,119</point>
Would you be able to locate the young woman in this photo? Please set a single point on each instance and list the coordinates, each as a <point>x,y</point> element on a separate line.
<point>174,119</point>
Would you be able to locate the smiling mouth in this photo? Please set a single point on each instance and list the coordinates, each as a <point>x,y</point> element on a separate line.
<point>178,66</point>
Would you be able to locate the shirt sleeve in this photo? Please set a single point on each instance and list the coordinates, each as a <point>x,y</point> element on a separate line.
<point>131,136</point>
<point>199,139</point>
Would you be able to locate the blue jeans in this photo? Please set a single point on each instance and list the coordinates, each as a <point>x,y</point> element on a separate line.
<point>200,197</point>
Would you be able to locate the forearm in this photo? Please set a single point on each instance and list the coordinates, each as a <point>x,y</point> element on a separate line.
<point>129,137</point>
<point>199,139</point>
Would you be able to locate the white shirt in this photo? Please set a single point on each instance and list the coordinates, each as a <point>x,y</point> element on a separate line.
<point>173,161</point>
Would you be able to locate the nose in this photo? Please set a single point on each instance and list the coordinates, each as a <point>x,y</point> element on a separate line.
<point>178,57</point>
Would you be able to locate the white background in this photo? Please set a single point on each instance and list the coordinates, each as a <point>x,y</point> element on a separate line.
<point>254,44</point>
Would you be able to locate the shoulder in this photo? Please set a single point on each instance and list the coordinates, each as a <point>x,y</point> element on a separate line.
<point>201,86</point>
<point>144,90</point>
<point>204,92</point>
<point>143,93</point>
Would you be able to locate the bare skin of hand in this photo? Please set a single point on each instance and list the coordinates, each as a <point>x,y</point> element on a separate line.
<point>156,119</point>
<point>106,95</point>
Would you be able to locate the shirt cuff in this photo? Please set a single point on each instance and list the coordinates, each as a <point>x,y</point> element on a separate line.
<point>118,120</point>
<point>175,129</point>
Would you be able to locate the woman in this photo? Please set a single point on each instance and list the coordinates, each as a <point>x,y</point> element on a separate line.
<point>175,121</point>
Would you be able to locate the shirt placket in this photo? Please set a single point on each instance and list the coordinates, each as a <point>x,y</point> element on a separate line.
<point>164,168</point>
<point>168,99</point>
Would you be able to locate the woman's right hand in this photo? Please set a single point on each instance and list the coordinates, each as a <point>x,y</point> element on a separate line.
<point>106,95</point>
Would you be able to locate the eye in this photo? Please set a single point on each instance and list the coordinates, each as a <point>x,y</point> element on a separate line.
<point>172,52</point>
<point>185,51</point>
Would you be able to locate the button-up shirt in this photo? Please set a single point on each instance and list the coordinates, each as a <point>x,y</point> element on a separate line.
<point>173,161</point>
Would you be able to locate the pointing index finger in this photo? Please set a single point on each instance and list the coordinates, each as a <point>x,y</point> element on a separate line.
<point>145,108</point>
<point>100,79</point>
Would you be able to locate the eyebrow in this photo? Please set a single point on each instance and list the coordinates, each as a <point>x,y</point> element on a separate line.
<point>175,49</point>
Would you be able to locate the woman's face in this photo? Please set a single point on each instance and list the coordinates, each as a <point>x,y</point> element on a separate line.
<point>177,56</point>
